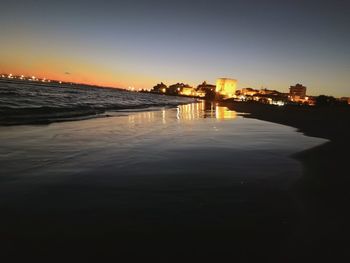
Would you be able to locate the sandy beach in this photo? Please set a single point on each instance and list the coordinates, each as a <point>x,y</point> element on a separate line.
<point>193,183</point>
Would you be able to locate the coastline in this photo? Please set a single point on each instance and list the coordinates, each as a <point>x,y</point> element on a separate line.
<point>330,123</point>
<point>27,103</point>
<point>149,182</point>
<point>322,192</point>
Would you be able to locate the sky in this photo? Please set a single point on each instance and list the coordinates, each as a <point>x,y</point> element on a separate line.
<point>269,44</point>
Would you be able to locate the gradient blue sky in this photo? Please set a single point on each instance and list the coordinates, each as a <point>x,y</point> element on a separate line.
<point>271,44</point>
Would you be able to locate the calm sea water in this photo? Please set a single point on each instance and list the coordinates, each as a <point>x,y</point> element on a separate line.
<point>22,102</point>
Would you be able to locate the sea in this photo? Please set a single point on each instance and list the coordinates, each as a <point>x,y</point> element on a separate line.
<point>33,102</point>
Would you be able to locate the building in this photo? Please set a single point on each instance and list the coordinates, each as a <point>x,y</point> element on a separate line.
<point>175,88</point>
<point>345,99</point>
<point>226,87</point>
<point>269,92</point>
<point>160,88</point>
<point>181,89</point>
<point>297,92</point>
<point>205,89</point>
<point>200,93</point>
<point>249,92</point>
<point>187,91</point>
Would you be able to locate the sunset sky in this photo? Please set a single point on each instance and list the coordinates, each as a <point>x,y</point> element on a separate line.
<point>270,44</point>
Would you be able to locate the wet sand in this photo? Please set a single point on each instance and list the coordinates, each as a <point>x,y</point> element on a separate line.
<point>167,186</point>
<point>323,191</point>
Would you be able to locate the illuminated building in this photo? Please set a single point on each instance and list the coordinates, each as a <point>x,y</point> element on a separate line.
<point>269,92</point>
<point>297,92</point>
<point>160,88</point>
<point>249,92</point>
<point>175,88</point>
<point>200,93</point>
<point>180,88</point>
<point>187,91</point>
<point>226,87</point>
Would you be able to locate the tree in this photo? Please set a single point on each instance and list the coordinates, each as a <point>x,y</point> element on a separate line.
<point>324,100</point>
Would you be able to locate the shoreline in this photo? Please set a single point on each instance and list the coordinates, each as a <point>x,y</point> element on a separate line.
<point>332,123</point>
<point>322,191</point>
<point>218,214</point>
<point>163,179</point>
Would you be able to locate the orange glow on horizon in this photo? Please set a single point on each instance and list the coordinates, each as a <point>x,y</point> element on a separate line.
<point>89,77</point>
<point>70,69</point>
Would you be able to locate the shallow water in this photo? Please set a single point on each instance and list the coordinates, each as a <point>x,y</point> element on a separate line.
<point>182,134</point>
<point>197,166</point>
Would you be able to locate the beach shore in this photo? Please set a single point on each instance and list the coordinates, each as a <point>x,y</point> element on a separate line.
<point>187,184</point>
<point>323,191</point>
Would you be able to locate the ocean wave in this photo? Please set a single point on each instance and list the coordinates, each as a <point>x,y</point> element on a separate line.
<point>31,104</point>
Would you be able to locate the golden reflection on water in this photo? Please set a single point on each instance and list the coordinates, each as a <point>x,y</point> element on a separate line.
<point>192,111</point>
<point>204,109</point>
<point>148,116</point>
<point>224,113</point>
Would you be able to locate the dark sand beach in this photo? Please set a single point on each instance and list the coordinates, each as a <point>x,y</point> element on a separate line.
<point>323,190</point>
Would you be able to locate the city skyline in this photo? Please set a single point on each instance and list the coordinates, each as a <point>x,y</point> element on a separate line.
<point>139,44</point>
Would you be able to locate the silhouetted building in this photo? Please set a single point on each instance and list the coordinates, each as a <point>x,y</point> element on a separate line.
<point>345,99</point>
<point>297,92</point>
<point>160,88</point>
<point>205,89</point>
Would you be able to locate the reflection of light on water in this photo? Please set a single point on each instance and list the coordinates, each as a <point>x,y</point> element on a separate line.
<point>188,111</point>
<point>163,117</point>
<point>192,111</point>
<point>224,113</point>
<point>141,117</point>
<point>204,110</point>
